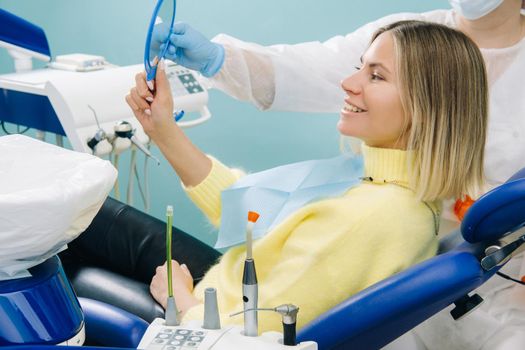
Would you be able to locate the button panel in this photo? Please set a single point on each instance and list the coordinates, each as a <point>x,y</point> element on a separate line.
<point>179,339</point>
<point>183,82</point>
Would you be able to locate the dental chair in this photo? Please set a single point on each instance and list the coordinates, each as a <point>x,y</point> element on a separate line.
<point>381,313</point>
<point>370,319</point>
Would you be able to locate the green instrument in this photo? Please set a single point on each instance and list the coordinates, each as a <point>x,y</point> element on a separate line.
<point>169,225</point>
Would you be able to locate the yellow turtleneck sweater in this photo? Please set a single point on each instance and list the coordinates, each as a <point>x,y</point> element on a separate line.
<point>328,250</point>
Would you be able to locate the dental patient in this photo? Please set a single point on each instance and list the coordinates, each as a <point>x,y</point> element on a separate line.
<point>418,102</point>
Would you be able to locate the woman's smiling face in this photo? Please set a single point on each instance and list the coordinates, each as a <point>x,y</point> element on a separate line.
<point>372,108</point>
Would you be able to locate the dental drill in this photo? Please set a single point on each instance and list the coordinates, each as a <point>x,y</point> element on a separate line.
<point>289,320</point>
<point>249,282</point>
<point>125,130</point>
<point>99,143</point>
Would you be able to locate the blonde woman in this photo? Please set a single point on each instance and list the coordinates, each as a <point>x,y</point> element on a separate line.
<point>423,131</point>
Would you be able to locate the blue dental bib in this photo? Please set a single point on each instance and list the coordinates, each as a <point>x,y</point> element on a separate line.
<point>278,192</point>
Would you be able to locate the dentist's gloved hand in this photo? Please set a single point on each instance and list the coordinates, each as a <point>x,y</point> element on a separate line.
<point>159,36</point>
<point>193,50</point>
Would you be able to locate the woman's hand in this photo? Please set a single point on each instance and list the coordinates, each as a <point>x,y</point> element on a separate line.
<point>182,283</point>
<point>154,110</point>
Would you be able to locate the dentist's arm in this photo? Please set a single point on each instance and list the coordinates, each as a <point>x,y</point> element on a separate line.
<point>154,111</point>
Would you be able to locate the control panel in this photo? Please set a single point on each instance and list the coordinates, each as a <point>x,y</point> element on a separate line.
<point>192,336</point>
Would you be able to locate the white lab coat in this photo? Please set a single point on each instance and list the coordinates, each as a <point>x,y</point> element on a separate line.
<point>306,77</point>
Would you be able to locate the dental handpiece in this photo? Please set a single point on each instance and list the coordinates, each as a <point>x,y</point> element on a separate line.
<point>289,319</point>
<point>249,283</point>
<point>146,151</point>
<point>289,314</point>
<point>125,129</point>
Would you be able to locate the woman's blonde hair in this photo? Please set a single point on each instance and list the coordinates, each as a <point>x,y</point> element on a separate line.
<point>444,92</point>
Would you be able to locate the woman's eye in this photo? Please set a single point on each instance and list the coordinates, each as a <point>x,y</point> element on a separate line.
<point>357,68</point>
<point>375,76</point>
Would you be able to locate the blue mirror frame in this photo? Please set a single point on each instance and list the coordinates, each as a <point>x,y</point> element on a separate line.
<point>152,70</point>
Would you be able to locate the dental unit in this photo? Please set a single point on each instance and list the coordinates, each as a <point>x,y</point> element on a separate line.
<point>82,96</point>
<point>208,333</point>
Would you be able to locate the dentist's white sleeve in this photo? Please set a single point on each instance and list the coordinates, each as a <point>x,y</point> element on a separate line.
<point>303,77</point>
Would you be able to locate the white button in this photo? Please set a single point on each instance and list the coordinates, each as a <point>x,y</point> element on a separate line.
<point>179,337</point>
<point>175,342</point>
<point>195,338</point>
<point>163,336</point>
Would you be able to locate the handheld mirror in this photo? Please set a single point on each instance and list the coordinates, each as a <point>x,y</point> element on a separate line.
<point>157,39</point>
<point>189,94</point>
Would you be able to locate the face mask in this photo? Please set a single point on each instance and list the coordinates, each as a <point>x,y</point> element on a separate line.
<point>474,9</point>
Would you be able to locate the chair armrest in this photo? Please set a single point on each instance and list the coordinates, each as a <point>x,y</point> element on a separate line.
<point>108,325</point>
<point>97,283</point>
<point>382,312</point>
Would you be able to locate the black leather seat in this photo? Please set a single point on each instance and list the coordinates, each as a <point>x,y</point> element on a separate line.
<point>114,259</point>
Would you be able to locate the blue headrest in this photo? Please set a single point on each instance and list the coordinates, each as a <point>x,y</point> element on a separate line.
<point>496,213</point>
<point>21,33</point>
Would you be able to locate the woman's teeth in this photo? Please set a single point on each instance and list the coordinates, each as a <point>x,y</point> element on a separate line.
<point>351,108</point>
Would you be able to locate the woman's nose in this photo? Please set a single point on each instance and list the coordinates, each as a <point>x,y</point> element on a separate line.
<point>351,84</point>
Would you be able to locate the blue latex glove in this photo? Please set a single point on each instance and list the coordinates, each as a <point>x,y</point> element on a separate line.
<point>190,48</point>
<point>158,37</point>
